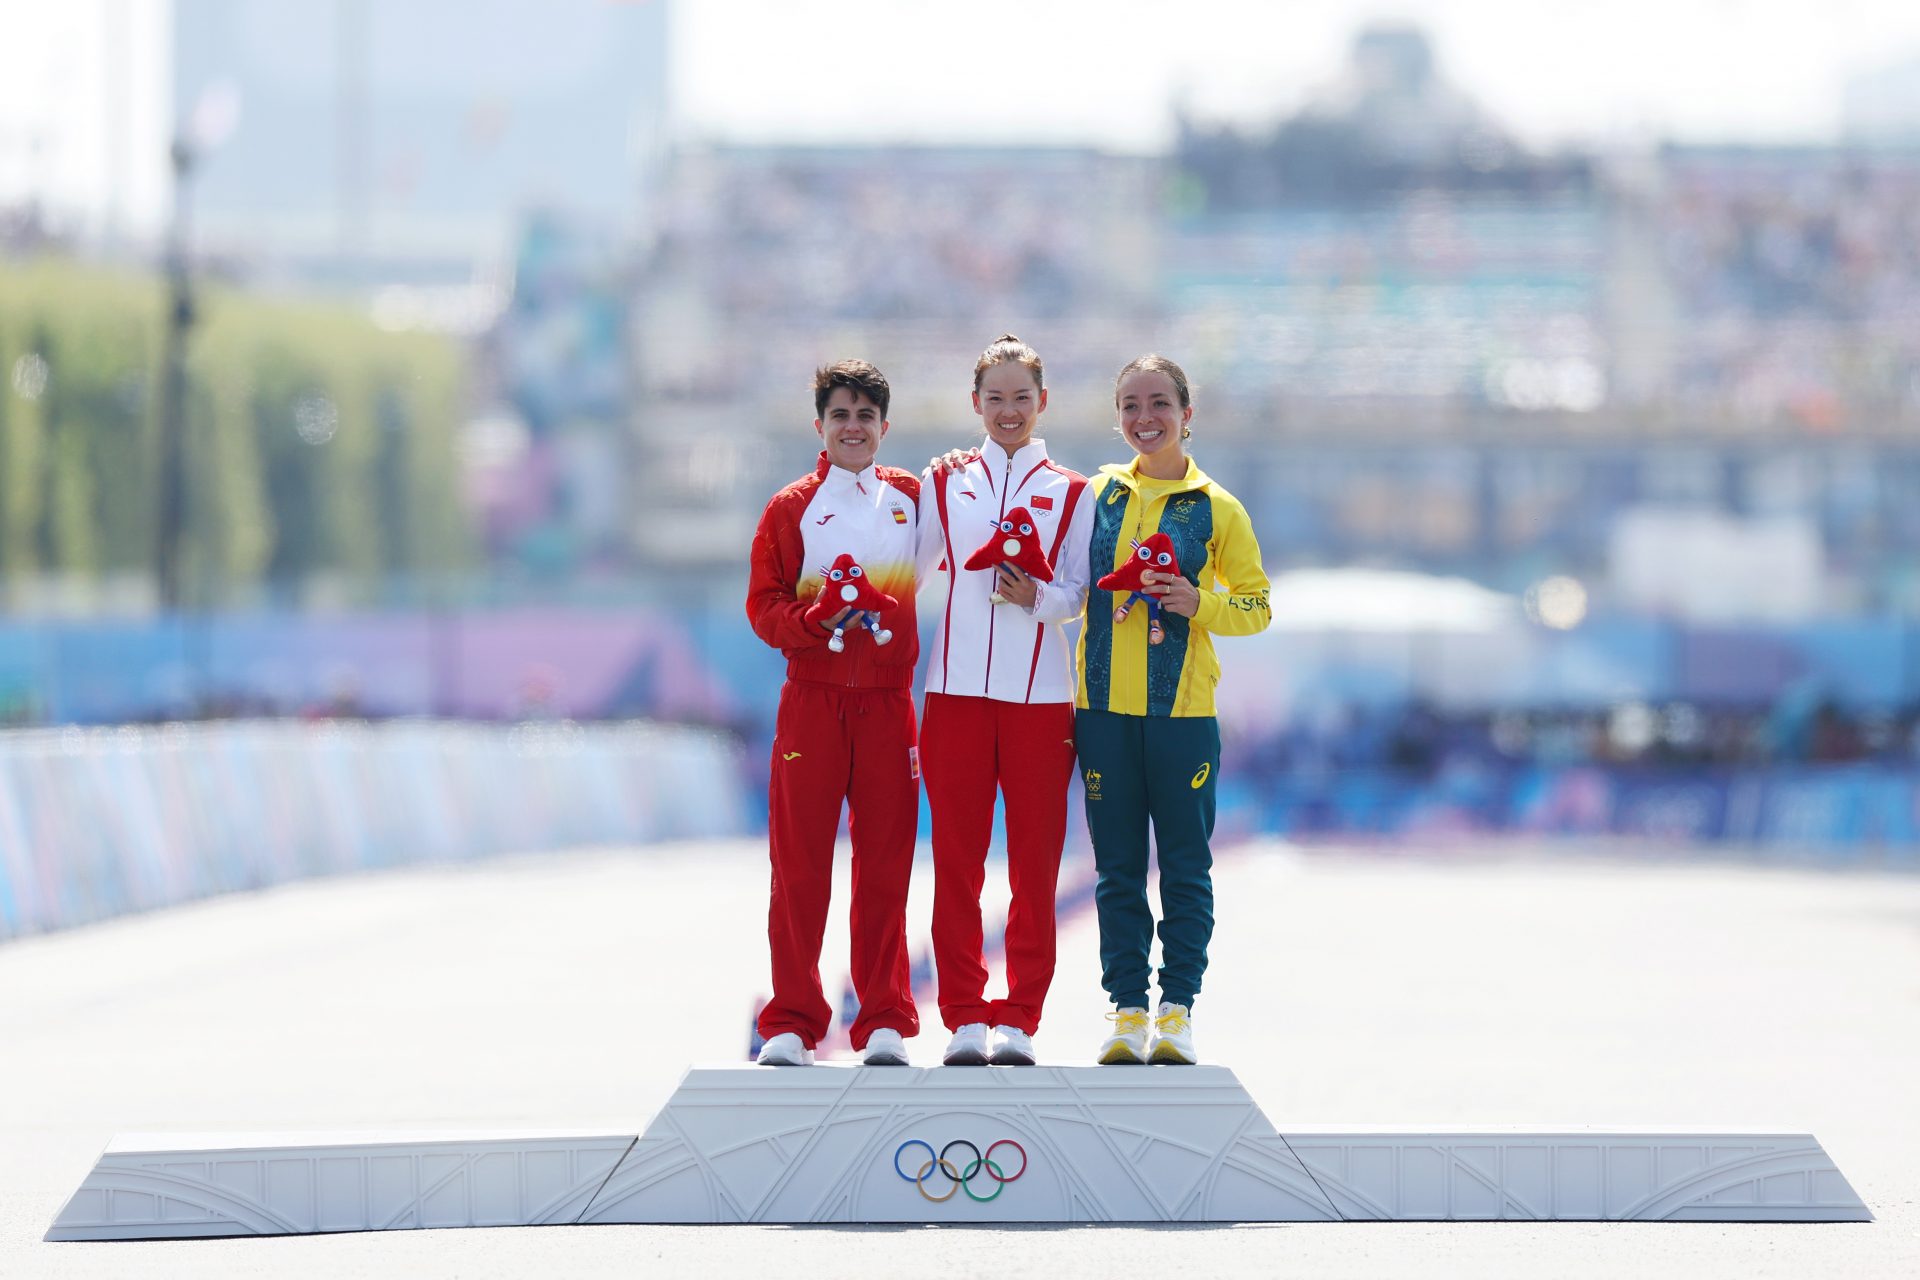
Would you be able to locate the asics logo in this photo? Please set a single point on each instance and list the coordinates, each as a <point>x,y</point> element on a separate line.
<point>1200,778</point>
<point>956,1179</point>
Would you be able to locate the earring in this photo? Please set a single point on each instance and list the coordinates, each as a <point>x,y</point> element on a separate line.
<point>1186,433</point>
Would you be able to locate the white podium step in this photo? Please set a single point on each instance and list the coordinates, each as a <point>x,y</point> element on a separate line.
<point>1022,1144</point>
<point>164,1186</point>
<point>947,1144</point>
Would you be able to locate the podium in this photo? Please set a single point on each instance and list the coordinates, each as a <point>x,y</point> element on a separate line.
<point>851,1144</point>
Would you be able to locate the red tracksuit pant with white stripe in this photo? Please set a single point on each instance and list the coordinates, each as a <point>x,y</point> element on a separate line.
<point>969,747</point>
<point>834,744</point>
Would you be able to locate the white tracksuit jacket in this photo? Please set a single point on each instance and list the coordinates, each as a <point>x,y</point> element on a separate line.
<point>976,648</point>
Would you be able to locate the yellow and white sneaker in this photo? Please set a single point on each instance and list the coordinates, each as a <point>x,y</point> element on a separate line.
<point>1173,1036</point>
<point>1128,1044</point>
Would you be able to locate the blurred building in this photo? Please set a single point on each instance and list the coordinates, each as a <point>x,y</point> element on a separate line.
<point>774,260</point>
<point>1415,343</point>
<point>1665,401</point>
<point>1689,377</point>
<point>1391,123</point>
<point>358,141</point>
<point>482,168</point>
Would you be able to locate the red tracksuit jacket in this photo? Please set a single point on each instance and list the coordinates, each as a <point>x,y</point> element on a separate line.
<point>872,515</point>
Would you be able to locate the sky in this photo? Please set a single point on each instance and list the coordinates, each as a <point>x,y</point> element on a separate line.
<point>1105,71</point>
<point>1101,72</point>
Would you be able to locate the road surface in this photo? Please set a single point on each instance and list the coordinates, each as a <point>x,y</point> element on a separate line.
<point>1422,989</point>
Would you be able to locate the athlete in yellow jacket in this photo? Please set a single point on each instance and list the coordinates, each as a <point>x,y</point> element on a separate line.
<point>1218,555</point>
<point>1144,725</point>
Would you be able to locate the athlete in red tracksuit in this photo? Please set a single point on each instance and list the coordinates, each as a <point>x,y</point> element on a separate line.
<point>999,709</point>
<point>845,730</point>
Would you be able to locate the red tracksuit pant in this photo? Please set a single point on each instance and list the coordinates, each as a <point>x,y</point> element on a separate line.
<point>833,744</point>
<point>970,747</point>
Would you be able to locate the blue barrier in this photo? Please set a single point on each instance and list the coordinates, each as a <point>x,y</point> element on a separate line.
<point>1844,810</point>
<point>97,823</point>
<point>702,663</point>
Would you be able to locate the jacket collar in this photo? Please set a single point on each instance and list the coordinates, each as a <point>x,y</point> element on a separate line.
<point>838,479</point>
<point>1025,458</point>
<point>1128,474</point>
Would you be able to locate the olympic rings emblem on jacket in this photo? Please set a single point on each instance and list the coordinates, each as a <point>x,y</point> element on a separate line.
<point>956,1179</point>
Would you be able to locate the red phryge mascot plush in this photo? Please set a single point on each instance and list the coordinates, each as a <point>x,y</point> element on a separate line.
<point>1013,540</point>
<point>847,586</point>
<point>1157,554</point>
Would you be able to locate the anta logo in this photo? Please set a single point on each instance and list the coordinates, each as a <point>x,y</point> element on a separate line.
<point>1200,778</point>
<point>823,519</point>
<point>970,495</point>
<point>795,755</point>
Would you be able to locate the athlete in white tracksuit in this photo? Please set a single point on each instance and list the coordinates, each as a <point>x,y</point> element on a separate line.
<point>999,705</point>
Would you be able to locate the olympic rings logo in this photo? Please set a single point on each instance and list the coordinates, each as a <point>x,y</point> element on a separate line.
<point>956,1180</point>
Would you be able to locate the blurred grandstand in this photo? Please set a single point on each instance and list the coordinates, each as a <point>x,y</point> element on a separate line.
<point>1664,403</point>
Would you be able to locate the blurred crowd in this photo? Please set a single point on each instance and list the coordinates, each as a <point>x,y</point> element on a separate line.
<point>1797,274</point>
<point>811,237</point>
<point>1486,298</point>
<point>1768,287</point>
<point>915,257</point>
<point>1421,742</point>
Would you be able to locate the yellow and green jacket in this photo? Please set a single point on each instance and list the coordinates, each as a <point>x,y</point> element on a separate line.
<point>1119,670</point>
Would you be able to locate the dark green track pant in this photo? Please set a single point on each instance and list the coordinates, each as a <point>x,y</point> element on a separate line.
<point>1137,769</point>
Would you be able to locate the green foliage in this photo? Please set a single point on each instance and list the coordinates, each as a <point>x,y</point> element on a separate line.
<point>317,444</point>
<point>23,432</point>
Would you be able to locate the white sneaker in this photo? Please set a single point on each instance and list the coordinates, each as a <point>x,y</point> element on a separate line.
<point>1173,1036</point>
<point>1012,1047</point>
<point>884,1048</point>
<point>968,1048</point>
<point>1128,1043</point>
<point>785,1050</point>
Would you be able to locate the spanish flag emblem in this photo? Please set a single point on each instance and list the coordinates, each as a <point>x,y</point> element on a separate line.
<point>899,515</point>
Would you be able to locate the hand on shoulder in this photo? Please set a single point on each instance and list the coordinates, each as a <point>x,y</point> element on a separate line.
<point>952,460</point>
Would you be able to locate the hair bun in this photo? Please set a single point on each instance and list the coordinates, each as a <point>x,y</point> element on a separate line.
<point>1008,349</point>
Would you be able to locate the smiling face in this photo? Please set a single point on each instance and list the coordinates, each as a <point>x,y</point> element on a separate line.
<point>1151,416</point>
<point>851,429</point>
<point>1010,403</point>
